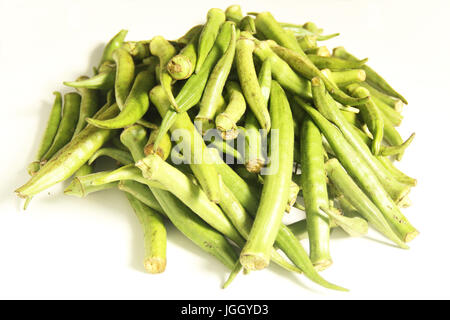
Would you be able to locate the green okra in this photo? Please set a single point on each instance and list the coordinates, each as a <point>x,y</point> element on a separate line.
<point>216,82</point>
<point>234,13</point>
<point>227,150</point>
<point>124,75</point>
<point>394,103</point>
<point>199,158</point>
<point>182,65</point>
<point>330,111</point>
<point>314,189</point>
<point>88,107</point>
<point>214,20</point>
<point>306,68</point>
<point>113,44</point>
<point>346,77</point>
<point>249,82</point>
<point>155,235</point>
<point>373,78</point>
<point>254,153</point>
<point>307,42</point>
<point>81,186</point>
<point>70,158</point>
<point>371,115</point>
<point>139,50</point>
<point>282,72</point>
<point>66,128</point>
<point>103,80</point>
<point>357,167</point>
<point>141,192</point>
<point>49,133</point>
<point>121,156</point>
<point>399,175</point>
<point>192,90</point>
<point>267,25</point>
<point>84,170</point>
<point>301,31</point>
<point>226,121</point>
<point>336,64</point>
<point>275,194</point>
<point>247,24</point>
<point>357,198</point>
<point>164,147</point>
<point>389,113</point>
<point>155,169</point>
<point>192,32</point>
<point>248,196</point>
<point>136,104</point>
<point>162,48</point>
<point>321,51</point>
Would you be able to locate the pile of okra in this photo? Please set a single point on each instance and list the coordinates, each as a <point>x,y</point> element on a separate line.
<point>222,131</point>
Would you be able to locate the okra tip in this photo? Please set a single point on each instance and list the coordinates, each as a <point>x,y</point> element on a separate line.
<point>75,188</point>
<point>155,265</point>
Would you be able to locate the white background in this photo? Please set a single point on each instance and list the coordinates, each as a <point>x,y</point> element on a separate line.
<point>65,247</point>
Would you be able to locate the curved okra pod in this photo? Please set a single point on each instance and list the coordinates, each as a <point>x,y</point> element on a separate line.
<point>267,25</point>
<point>121,156</point>
<point>216,82</point>
<point>136,105</point>
<point>234,13</point>
<point>373,78</point>
<point>162,48</point>
<point>214,20</point>
<point>306,68</point>
<point>155,235</point>
<point>70,158</point>
<point>311,26</point>
<point>113,44</point>
<point>49,133</point>
<point>282,72</point>
<point>275,194</point>
<point>301,31</point>
<point>397,149</point>
<point>156,169</point>
<point>164,147</point>
<point>88,107</point>
<point>183,64</point>
<point>358,168</point>
<point>330,111</point>
<point>249,82</point>
<point>139,50</point>
<point>226,121</point>
<point>124,75</point>
<point>141,192</point>
<point>315,194</point>
<point>336,64</point>
<point>103,80</point>
<point>371,115</point>
<point>66,128</point>
<point>248,196</point>
<point>192,32</point>
<point>134,139</point>
<point>198,156</point>
<point>81,186</point>
<point>191,93</point>
<point>366,208</point>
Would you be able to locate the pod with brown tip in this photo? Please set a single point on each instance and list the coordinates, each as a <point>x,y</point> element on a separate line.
<point>155,235</point>
<point>164,147</point>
